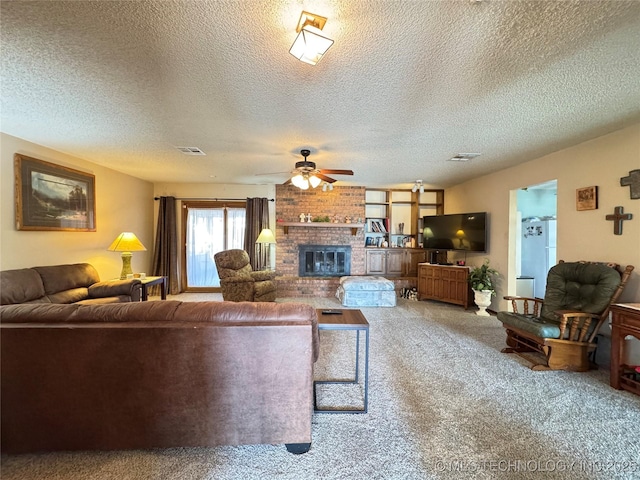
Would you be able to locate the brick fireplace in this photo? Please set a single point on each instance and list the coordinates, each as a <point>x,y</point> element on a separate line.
<point>290,203</point>
<point>324,260</point>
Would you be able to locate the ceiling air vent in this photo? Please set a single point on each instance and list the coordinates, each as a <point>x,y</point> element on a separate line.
<point>191,150</point>
<point>463,157</point>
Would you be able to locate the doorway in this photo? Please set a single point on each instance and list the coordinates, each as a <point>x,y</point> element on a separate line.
<point>535,237</point>
<point>208,227</point>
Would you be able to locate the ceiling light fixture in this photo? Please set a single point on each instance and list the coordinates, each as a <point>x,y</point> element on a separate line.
<point>304,180</point>
<point>418,186</point>
<point>310,46</point>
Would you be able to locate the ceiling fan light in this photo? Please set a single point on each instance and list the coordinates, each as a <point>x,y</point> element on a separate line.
<point>305,184</point>
<point>314,181</point>
<point>324,187</point>
<point>331,187</point>
<point>414,189</point>
<point>297,180</point>
<point>421,188</point>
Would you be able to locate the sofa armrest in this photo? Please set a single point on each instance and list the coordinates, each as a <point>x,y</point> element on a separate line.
<point>262,275</point>
<point>114,288</point>
<point>237,279</point>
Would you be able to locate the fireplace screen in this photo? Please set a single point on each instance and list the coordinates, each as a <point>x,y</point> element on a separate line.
<point>324,260</point>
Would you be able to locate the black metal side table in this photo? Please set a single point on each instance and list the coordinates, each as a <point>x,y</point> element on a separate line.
<point>347,319</point>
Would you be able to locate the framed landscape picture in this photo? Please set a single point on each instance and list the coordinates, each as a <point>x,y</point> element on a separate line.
<point>52,197</point>
<point>587,198</point>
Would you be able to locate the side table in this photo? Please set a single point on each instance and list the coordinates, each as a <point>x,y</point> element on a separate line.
<point>348,319</point>
<point>625,320</point>
<point>149,281</point>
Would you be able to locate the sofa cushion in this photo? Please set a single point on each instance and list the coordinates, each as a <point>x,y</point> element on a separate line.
<point>21,286</point>
<point>72,295</point>
<point>58,278</point>
<point>89,313</point>
<point>37,313</point>
<point>104,300</point>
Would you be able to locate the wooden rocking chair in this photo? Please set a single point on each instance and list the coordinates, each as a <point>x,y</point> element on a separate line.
<point>563,326</point>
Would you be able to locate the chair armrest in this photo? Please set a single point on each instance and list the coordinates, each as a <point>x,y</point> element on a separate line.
<point>577,325</point>
<point>237,279</point>
<point>537,303</point>
<point>262,275</point>
<point>114,288</point>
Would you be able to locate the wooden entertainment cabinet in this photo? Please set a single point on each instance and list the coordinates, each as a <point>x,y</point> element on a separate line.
<point>445,283</point>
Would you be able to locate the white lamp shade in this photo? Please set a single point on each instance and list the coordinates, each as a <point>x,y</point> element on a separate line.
<point>300,182</point>
<point>314,181</point>
<point>309,46</point>
<point>266,236</point>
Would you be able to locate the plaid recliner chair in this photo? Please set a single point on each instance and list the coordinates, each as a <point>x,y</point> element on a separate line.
<point>238,281</point>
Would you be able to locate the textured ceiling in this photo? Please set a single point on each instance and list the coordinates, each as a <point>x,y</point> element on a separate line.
<point>406,85</point>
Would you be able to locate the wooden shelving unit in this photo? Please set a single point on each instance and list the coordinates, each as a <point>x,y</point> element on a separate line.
<point>399,206</point>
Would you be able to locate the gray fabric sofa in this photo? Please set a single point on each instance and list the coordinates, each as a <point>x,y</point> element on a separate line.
<point>156,375</point>
<point>75,283</point>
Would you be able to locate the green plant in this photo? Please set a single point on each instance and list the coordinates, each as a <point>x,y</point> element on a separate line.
<point>321,219</point>
<point>480,278</point>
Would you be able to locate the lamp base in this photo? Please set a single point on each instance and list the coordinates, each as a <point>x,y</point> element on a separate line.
<point>126,265</point>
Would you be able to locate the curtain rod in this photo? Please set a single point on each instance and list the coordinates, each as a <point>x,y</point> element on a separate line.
<point>215,199</point>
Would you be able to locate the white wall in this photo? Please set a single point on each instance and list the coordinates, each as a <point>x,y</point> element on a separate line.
<point>123,203</point>
<point>582,235</point>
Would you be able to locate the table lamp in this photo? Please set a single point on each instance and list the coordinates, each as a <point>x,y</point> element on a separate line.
<point>266,236</point>
<point>126,243</point>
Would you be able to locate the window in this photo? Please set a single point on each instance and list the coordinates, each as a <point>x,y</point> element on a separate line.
<point>208,228</point>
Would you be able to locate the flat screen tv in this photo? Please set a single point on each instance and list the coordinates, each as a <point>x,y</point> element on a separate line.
<point>459,231</point>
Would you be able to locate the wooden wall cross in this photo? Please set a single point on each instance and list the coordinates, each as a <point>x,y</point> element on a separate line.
<point>633,181</point>
<point>618,217</point>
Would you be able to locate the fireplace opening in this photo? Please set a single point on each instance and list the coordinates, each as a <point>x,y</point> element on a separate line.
<point>324,260</point>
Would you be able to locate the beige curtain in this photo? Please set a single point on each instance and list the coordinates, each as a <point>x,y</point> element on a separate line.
<point>257,219</point>
<point>165,253</point>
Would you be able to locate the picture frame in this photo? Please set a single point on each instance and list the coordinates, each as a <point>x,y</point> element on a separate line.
<point>53,197</point>
<point>587,198</point>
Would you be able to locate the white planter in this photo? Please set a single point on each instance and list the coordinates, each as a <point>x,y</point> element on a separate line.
<point>483,300</point>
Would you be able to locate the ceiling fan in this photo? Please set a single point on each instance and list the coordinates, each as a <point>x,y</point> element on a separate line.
<point>306,174</point>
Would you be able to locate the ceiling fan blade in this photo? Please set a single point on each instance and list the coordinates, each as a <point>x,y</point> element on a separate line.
<point>325,178</point>
<point>288,182</point>
<point>337,172</point>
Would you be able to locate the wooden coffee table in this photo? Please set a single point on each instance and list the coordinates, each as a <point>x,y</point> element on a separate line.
<point>347,319</point>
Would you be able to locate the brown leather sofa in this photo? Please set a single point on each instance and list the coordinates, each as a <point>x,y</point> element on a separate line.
<point>156,374</point>
<point>75,283</point>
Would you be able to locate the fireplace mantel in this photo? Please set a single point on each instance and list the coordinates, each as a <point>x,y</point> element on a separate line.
<point>353,226</point>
